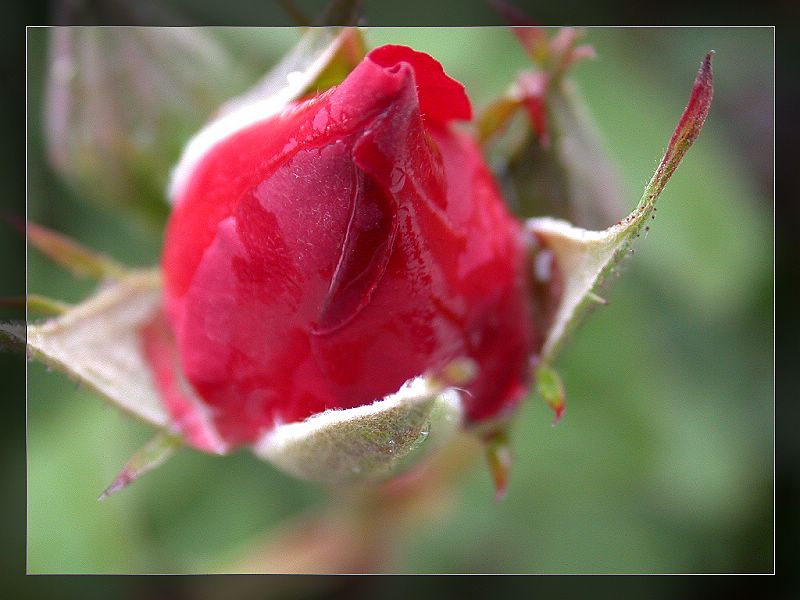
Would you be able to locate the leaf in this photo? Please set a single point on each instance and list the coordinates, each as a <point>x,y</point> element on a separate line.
<point>495,117</point>
<point>350,50</point>
<point>96,343</point>
<point>571,177</point>
<point>72,256</point>
<point>367,442</point>
<point>121,102</point>
<point>147,458</point>
<point>584,258</point>
<point>37,303</point>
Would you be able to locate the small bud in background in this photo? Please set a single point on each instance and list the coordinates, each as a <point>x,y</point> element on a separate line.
<point>542,140</point>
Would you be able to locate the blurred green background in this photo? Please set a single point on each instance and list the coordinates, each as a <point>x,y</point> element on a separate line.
<point>663,461</point>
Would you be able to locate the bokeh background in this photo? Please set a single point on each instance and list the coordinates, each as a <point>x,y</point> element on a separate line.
<point>664,459</point>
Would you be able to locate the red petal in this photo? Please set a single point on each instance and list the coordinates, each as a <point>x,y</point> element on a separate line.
<point>321,258</point>
<point>189,417</point>
<point>441,98</point>
<point>248,157</point>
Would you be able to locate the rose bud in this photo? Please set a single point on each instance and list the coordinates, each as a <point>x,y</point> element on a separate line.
<point>322,256</point>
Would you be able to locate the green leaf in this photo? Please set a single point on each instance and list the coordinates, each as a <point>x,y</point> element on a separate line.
<point>584,258</point>
<point>96,343</point>
<point>368,442</point>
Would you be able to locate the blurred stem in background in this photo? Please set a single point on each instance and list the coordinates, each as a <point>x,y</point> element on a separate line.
<point>363,529</point>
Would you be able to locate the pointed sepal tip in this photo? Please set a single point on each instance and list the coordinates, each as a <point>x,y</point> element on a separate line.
<point>551,388</point>
<point>147,458</point>
<point>499,458</point>
<point>689,125</point>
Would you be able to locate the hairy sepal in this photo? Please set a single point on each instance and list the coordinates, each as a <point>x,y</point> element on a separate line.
<point>96,343</point>
<point>367,443</point>
<point>584,258</point>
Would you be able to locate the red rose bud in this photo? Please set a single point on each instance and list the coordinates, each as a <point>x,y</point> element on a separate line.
<point>320,256</point>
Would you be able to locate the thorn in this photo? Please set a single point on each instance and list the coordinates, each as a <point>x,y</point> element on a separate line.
<point>598,299</point>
